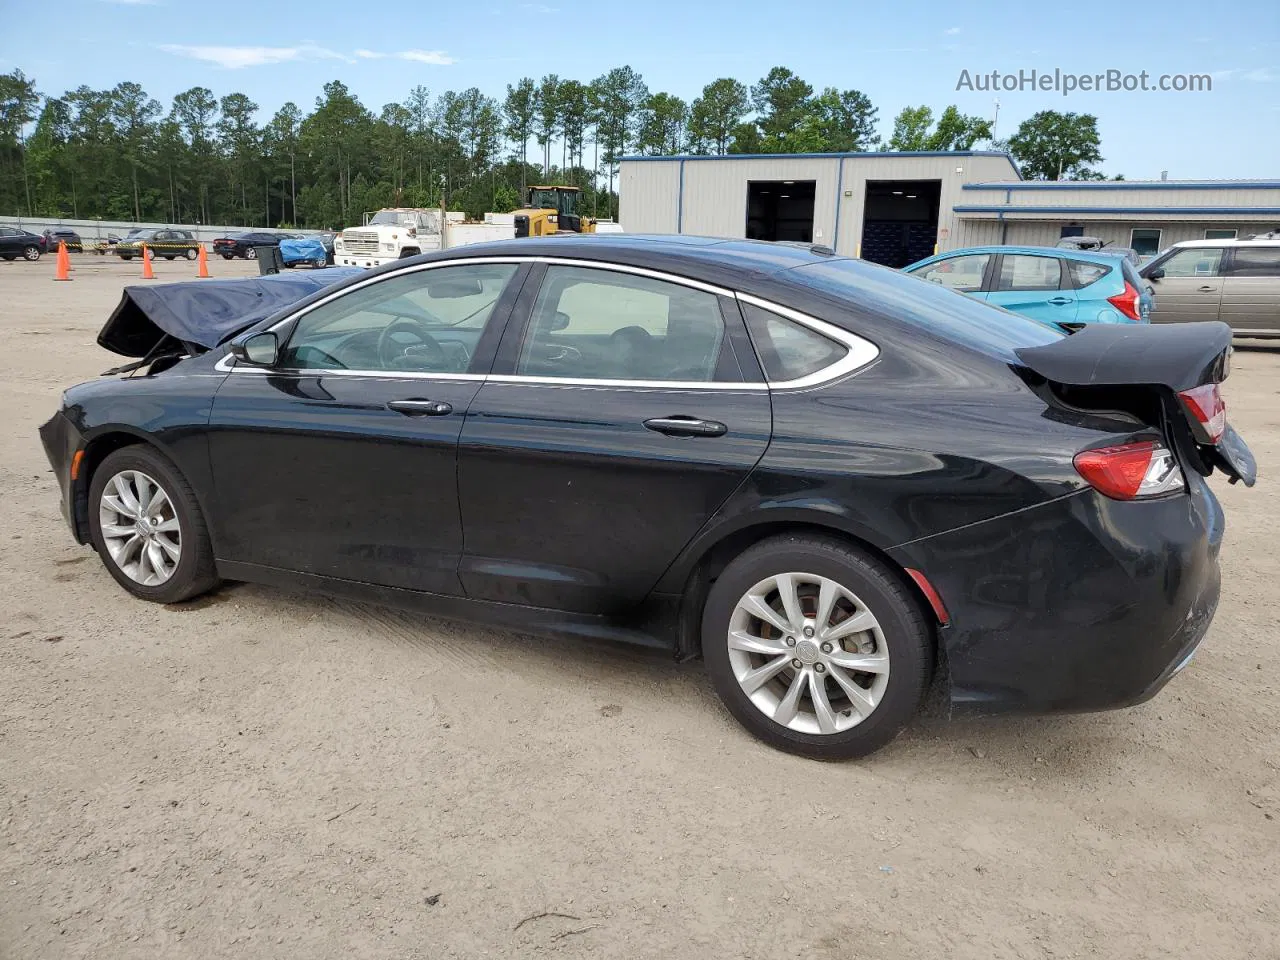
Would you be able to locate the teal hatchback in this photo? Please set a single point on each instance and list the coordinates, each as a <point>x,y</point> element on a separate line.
<point>1066,288</point>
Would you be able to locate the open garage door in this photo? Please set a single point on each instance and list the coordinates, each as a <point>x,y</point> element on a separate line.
<point>900,222</point>
<point>780,210</point>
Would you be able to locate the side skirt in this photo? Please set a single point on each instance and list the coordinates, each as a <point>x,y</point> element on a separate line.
<point>653,627</point>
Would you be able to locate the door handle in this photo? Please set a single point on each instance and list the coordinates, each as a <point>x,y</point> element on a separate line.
<point>1206,289</point>
<point>1061,301</point>
<point>421,408</point>
<point>682,426</point>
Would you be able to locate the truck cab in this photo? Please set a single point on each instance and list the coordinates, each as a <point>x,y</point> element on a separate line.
<point>549,210</point>
<point>387,235</point>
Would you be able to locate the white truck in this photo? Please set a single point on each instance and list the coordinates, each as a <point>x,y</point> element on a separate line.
<point>398,232</point>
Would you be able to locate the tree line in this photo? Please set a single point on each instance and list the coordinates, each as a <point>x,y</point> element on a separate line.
<point>120,154</point>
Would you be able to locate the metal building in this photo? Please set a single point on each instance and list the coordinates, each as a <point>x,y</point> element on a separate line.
<point>895,208</point>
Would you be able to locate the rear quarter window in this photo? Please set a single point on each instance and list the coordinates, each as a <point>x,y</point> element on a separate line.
<point>1084,273</point>
<point>926,306</point>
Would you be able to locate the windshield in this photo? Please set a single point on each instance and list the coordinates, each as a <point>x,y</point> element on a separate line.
<point>946,313</point>
<point>553,200</point>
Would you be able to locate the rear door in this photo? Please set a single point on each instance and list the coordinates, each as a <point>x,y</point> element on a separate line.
<point>1034,286</point>
<point>1191,288</point>
<point>1251,289</point>
<point>625,407</point>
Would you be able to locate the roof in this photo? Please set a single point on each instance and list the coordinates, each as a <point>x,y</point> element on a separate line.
<point>1119,185</point>
<point>1228,242</point>
<point>809,156</point>
<point>1105,255</point>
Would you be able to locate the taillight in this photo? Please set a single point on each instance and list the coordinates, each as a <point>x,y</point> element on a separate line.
<point>1130,471</point>
<point>1206,405</point>
<point>1127,302</point>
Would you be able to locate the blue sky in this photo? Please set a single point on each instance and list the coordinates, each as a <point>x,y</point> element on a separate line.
<point>898,55</point>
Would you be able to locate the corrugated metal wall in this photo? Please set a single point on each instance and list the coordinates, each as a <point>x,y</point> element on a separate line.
<point>1130,195</point>
<point>977,233</point>
<point>715,191</point>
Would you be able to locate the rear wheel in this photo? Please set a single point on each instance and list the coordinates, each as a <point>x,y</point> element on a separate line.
<point>147,527</point>
<point>31,253</point>
<point>816,647</point>
<point>228,256</point>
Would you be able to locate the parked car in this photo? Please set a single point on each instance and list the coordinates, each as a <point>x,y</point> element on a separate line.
<point>315,251</point>
<point>63,235</point>
<point>244,245</point>
<point>1235,281</point>
<point>1068,289</point>
<point>816,472</point>
<point>16,243</point>
<point>1098,245</point>
<point>168,243</point>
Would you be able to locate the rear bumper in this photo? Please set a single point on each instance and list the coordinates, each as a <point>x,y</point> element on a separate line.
<point>1081,604</point>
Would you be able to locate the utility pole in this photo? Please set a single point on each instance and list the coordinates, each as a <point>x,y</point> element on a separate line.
<point>996,119</point>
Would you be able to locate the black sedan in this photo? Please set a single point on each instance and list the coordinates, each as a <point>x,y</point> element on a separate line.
<point>15,243</point>
<point>826,478</point>
<point>245,245</point>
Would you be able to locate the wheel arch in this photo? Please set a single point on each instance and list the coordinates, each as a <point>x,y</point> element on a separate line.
<point>715,553</point>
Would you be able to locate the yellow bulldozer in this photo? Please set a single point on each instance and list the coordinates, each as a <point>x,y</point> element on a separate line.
<point>552,210</point>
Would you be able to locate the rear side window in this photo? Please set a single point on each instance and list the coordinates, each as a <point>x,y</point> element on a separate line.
<point>789,350</point>
<point>1194,262</point>
<point>1022,272</point>
<point>1255,262</point>
<point>1083,274</point>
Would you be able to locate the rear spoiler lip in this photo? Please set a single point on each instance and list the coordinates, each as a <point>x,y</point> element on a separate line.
<point>1178,356</point>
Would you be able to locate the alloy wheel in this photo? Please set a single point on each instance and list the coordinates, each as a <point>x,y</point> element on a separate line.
<point>31,253</point>
<point>251,253</point>
<point>140,528</point>
<point>808,653</point>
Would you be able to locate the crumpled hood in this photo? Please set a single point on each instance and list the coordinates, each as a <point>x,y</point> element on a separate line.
<point>206,312</point>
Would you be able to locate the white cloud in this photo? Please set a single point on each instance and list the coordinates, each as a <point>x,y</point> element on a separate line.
<point>135,3</point>
<point>1262,75</point>
<point>237,58</point>
<point>539,8</point>
<point>437,57</point>
<point>952,31</point>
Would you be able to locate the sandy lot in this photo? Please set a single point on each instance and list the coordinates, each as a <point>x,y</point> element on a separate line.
<point>258,774</point>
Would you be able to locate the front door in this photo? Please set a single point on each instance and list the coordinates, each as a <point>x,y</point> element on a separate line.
<point>1035,287</point>
<point>616,423</point>
<point>1251,290</point>
<point>1191,288</point>
<point>341,460</point>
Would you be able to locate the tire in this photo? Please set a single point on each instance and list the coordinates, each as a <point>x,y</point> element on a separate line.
<point>10,257</point>
<point>228,256</point>
<point>898,646</point>
<point>126,256</point>
<point>251,253</point>
<point>170,256</point>
<point>194,572</point>
<point>190,254</point>
<point>319,264</point>
<point>409,252</point>
<point>31,253</point>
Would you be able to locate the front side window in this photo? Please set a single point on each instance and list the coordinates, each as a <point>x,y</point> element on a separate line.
<point>1022,272</point>
<point>591,324</point>
<point>963,274</point>
<point>1145,240</point>
<point>1194,262</point>
<point>789,350</point>
<point>1255,262</point>
<point>427,321</point>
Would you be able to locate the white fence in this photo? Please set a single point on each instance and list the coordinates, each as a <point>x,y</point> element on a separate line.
<point>96,231</point>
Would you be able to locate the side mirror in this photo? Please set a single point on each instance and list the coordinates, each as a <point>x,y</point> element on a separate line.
<point>258,350</point>
<point>559,321</point>
<point>1156,274</point>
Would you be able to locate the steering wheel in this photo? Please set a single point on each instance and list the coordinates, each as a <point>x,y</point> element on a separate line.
<point>389,351</point>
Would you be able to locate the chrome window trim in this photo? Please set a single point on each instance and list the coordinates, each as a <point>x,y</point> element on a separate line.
<point>860,352</point>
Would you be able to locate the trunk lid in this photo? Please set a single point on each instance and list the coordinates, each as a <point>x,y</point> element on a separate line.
<point>1177,360</point>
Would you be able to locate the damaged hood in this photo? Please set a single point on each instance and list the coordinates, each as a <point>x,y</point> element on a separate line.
<point>204,313</point>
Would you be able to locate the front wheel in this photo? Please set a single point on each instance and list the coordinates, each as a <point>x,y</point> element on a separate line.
<point>228,256</point>
<point>31,253</point>
<point>147,527</point>
<point>126,256</point>
<point>190,254</point>
<point>815,647</point>
<point>251,253</point>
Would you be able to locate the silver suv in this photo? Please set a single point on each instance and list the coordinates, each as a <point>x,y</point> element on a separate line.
<point>1236,281</point>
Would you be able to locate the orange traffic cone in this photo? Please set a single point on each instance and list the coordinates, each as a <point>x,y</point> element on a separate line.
<point>64,262</point>
<point>203,260</point>
<point>147,272</point>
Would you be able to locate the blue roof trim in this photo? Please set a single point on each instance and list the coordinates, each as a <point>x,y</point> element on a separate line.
<point>829,156</point>
<point>1015,208</point>
<point>1127,185</point>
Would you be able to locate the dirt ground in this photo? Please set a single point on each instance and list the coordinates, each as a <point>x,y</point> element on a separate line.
<point>261,775</point>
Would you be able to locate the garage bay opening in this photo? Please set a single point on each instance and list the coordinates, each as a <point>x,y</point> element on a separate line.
<point>900,221</point>
<point>780,210</point>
